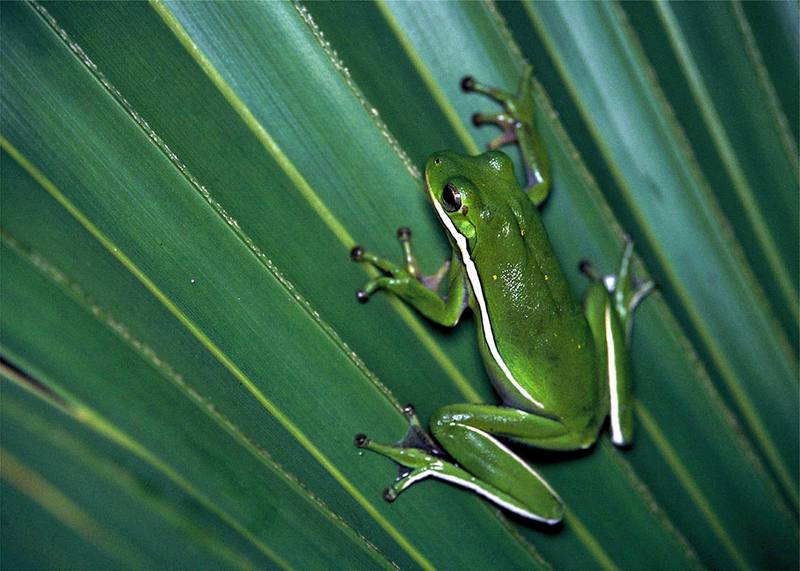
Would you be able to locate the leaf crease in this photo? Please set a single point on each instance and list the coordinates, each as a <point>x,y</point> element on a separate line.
<point>694,491</point>
<point>54,501</point>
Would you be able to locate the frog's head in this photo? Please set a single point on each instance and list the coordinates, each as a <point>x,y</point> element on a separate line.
<point>466,191</point>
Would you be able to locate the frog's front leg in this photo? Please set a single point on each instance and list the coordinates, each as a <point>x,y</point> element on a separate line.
<point>483,464</point>
<point>517,123</point>
<point>407,282</point>
<point>609,306</point>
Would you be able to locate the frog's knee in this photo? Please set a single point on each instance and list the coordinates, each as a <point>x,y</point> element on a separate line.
<point>441,418</point>
<point>587,437</point>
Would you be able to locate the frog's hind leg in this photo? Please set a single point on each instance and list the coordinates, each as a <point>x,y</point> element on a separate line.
<point>482,463</point>
<point>471,434</point>
<point>609,307</point>
<point>427,465</point>
<point>414,454</point>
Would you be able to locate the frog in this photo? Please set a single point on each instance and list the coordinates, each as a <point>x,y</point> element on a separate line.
<point>559,368</point>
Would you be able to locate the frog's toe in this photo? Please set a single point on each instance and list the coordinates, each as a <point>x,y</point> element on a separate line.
<point>507,137</point>
<point>468,83</point>
<point>357,253</point>
<point>640,291</point>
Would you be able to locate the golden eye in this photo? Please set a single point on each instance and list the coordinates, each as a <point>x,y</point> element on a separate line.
<point>451,198</point>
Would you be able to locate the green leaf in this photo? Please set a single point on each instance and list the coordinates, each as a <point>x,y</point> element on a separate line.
<point>737,129</point>
<point>184,365</point>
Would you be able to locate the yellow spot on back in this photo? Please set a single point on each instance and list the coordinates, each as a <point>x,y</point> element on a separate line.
<point>546,277</point>
<point>494,277</point>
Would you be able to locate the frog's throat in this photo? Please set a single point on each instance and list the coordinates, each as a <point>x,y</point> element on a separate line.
<point>477,291</point>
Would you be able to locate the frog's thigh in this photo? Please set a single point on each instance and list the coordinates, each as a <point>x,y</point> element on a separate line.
<point>466,432</point>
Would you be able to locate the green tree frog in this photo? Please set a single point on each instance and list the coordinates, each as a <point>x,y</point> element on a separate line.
<point>559,369</point>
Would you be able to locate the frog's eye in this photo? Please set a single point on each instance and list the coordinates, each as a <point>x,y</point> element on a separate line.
<point>451,198</point>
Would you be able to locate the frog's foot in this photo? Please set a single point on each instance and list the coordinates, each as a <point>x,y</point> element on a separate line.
<point>517,123</point>
<point>397,278</point>
<point>507,123</point>
<point>416,453</point>
<point>504,98</point>
<point>509,120</point>
<point>480,462</point>
<point>626,291</point>
<point>414,464</point>
<point>416,437</point>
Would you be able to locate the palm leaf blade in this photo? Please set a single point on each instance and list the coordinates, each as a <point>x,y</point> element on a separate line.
<point>187,237</point>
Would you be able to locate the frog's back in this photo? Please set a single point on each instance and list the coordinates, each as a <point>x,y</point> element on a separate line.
<point>539,330</point>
